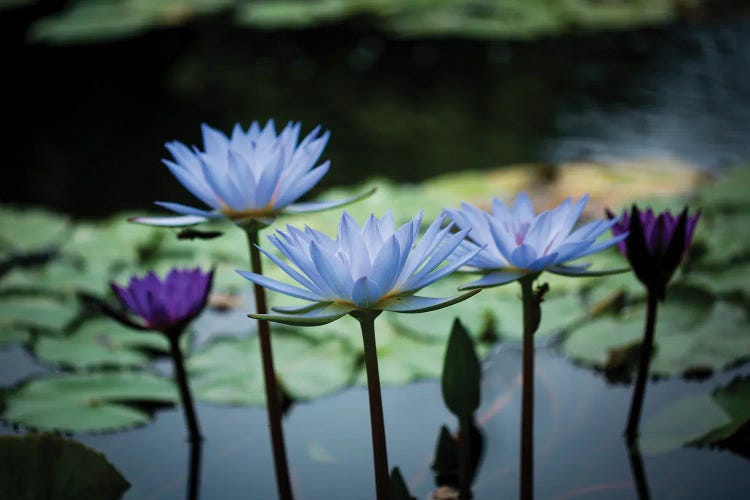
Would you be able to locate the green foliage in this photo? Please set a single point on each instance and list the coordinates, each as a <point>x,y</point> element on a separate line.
<point>96,20</point>
<point>397,489</point>
<point>700,420</point>
<point>47,467</point>
<point>86,402</point>
<point>462,374</point>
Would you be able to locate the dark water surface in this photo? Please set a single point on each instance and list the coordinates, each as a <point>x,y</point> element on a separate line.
<point>87,124</point>
<point>579,449</point>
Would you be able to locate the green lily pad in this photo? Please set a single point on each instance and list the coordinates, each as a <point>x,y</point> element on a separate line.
<point>230,371</point>
<point>29,230</point>
<point>43,466</point>
<point>694,334</point>
<point>12,336</point>
<point>55,278</point>
<point>92,402</point>
<point>729,193</point>
<point>100,342</point>
<point>37,312</point>
<point>700,420</point>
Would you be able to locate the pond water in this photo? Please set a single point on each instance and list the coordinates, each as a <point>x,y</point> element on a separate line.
<point>89,145</point>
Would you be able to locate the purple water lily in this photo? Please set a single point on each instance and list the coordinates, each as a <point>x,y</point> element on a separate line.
<point>656,245</point>
<point>166,305</point>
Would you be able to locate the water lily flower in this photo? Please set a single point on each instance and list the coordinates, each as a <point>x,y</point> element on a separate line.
<point>520,243</point>
<point>167,306</point>
<point>370,268</point>
<point>656,245</point>
<point>253,175</point>
<point>363,272</point>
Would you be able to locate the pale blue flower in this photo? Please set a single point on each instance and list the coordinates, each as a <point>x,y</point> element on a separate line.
<point>519,243</point>
<point>370,268</point>
<point>253,175</point>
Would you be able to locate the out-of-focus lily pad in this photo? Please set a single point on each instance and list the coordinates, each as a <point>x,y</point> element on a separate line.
<point>57,277</point>
<point>700,420</point>
<point>100,342</point>
<point>28,230</point>
<point>729,193</point>
<point>37,312</point>
<point>86,403</point>
<point>229,371</point>
<point>11,336</point>
<point>695,333</point>
<point>43,466</point>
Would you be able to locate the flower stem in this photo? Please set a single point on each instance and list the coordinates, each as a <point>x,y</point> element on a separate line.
<point>182,383</point>
<point>647,348</point>
<point>377,424</point>
<point>531,317</point>
<point>196,450</point>
<point>638,470</point>
<point>273,401</point>
<point>464,456</point>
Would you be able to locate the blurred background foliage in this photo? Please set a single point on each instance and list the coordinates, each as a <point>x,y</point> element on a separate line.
<point>94,20</point>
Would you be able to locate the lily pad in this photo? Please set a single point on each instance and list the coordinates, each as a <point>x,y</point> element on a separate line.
<point>695,333</point>
<point>43,466</point>
<point>28,230</point>
<point>12,336</point>
<point>36,312</point>
<point>100,342</point>
<point>92,402</point>
<point>700,420</point>
<point>230,371</point>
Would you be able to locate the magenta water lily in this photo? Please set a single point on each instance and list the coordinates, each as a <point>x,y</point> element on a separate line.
<point>166,305</point>
<point>520,243</point>
<point>657,243</point>
<point>375,267</point>
<point>252,175</point>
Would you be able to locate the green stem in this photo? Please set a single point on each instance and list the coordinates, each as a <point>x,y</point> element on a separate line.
<point>464,456</point>
<point>377,423</point>
<point>530,323</point>
<point>273,401</point>
<point>647,348</point>
<point>182,383</point>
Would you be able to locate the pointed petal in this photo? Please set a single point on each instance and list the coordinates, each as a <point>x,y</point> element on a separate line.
<point>366,292</point>
<point>301,208</point>
<point>496,278</point>
<point>178,221</point>
<point>186,210</point>
<point>322,315</point>
<point>578,272</point>
<point>280,287</point>
<point>416,304</point>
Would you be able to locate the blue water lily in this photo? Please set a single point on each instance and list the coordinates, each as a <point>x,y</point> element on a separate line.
<point>253,175</point>
<point>520,243</point>
<point>375,267</point>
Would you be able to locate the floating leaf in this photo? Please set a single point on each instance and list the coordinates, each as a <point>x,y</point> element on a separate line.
<point>694,334</point>
<point>100,342</point>
<point>28,311</point>
<point>229,371</point>
<point>43,466</point>
<point>700,420</point>
<point>29,230</point>
<point>86,403</point>
<point>11,336</point>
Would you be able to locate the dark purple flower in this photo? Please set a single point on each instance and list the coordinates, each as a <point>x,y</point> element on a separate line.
<point>166,305</point>
<point>656,244</point>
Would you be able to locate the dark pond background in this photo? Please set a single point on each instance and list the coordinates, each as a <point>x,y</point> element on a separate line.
<point>85,127</point>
